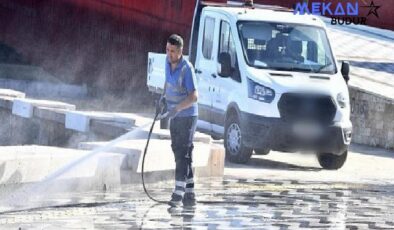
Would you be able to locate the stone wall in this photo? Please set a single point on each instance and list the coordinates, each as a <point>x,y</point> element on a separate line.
<point>372,116</point>
<point>25,121</point>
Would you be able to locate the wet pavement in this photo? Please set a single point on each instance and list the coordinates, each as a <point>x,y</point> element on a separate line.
<point>231,204</point>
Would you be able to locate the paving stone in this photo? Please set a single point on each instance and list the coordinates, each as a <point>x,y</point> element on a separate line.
<point>138,212</point>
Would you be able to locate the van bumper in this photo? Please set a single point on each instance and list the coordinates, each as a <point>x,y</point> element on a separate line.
<point>261,132</point>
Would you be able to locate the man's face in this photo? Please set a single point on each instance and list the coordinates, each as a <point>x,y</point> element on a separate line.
<point>173,53</point>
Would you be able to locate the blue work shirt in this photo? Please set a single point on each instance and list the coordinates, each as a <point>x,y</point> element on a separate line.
<point>178,89</point>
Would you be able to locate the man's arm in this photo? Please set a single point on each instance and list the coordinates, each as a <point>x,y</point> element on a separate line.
<point>189,100</point>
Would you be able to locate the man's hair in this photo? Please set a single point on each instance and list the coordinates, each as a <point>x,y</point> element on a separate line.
<point>175,40</point>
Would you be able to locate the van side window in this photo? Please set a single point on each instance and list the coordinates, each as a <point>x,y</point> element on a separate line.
<point>207,42</point>
<point>227,45</point>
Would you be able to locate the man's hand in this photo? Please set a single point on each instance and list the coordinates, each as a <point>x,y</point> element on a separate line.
<point>168,114</point>
<point>162,101</point>
<point>172,113</point>
<point>161,105</point>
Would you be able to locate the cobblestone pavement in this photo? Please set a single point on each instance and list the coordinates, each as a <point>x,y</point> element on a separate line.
<point>242,204</point>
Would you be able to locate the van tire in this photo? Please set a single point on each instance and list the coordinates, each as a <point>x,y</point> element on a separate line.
<point>331,161</point>
<point>236,151</point>
<point>264,151</point>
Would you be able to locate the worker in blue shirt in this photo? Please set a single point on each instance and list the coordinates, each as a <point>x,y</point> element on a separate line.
<point>180,93</point>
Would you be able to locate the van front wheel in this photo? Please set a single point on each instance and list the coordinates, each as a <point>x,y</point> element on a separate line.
<point>236,151</point>
<point>331,161</point>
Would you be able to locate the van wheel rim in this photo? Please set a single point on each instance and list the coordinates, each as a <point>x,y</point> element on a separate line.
<point>234,138</point>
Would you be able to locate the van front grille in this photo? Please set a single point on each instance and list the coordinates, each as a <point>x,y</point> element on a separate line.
<point>295,107</point>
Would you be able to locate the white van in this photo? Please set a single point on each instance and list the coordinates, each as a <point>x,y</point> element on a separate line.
<point>267,80</point>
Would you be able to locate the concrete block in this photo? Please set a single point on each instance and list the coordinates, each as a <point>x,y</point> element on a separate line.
<point>109,129</point>
<point>133,159</point>
<point>164,134</point>
<point>75,170</point>
<point>108,171</point>
<point>207,158</point>
<point>78,137</point>
<point>11,93</point>
<point>53,133</point>
<point>24,107</point>
<point>121,118</point>
<point>23,131</point>
<point>215,166</point>
<point>50,114</point>
<point>60,170</point>
<point>160,156</point>
<point>5,126</point>
<point>6,102</point>
<point>119,148</point>
<point>80,121</point>
<point>26,164</point>
<point>77,121</point>
<point>46,127</point>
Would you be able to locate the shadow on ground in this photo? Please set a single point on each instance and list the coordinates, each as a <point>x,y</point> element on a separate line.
<point>271,164</point>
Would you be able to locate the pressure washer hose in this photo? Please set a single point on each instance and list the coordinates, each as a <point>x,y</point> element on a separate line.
<point>143,161</point>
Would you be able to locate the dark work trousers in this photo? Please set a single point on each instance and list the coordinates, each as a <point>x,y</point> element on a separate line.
<point>182,131</point>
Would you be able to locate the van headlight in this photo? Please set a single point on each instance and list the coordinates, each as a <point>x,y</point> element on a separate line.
<point>260,92</point>
<point>342,101</point>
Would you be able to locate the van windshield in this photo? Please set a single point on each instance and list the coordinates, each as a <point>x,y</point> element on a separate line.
<point>290,47</point>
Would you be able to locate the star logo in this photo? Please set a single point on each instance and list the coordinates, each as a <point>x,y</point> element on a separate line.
<point>373,9</point>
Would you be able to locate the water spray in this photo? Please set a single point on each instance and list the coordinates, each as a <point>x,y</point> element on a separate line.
<point>126,136</point>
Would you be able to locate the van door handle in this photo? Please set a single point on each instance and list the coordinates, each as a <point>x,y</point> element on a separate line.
<point>214,75</point>
<point>197,71</point>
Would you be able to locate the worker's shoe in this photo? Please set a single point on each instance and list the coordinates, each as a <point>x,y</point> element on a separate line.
<point>176,200</point>
<point>189,199</point>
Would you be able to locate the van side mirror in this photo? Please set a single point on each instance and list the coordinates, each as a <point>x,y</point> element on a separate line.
<point>225,64</point>
<point>345,70</point>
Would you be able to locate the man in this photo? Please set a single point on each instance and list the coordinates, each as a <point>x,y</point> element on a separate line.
<point>181,97</point>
